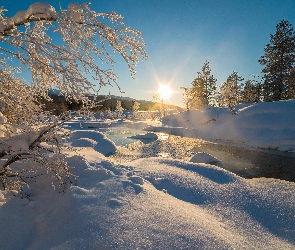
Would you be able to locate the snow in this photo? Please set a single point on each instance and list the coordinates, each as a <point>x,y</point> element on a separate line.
<point>95,139</point>
<point>161,203</point>
<point>75,12</point>
<point>265,125</point>
<point>202,157</point>
<point>39,9</point>
<point>2,118</point>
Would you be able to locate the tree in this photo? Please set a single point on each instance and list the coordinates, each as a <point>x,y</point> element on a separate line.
<point>17,99</point>
<point>119,109</point>
<point>187,99</point>
<point>230,90</point>
<point>251,92</point>
<point>135,107</point>
<point>204,87</point>
<point>67,60</point>
<point>279,63</point>
<point>60,50</point>
<point>163,107</point>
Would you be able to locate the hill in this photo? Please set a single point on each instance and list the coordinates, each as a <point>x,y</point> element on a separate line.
<point>59,104</point>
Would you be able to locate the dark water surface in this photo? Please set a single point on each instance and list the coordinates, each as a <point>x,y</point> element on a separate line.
<point>244,161</point>
<point>252,163</point>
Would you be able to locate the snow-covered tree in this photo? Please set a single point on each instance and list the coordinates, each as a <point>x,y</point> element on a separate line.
<point>135,107</point>
<point>279,63</point>
<point>230,90</point>
<point>70,50</point>
<point>119,109</point>
<point>17,99</point>
<point>204,87</point>
<point>109,114</point>
<point>67,49</point>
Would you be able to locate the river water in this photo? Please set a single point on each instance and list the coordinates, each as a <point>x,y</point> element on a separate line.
<point>243,161</point>
<point>237,158</point>
<point>252,162</point>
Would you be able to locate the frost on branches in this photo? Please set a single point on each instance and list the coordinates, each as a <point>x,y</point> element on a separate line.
<point>70,50</point>
<point>61,49</point>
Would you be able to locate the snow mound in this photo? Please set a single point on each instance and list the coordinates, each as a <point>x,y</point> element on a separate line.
<point>94,139</point>
<point>202,157</point>
<point>75,12</point>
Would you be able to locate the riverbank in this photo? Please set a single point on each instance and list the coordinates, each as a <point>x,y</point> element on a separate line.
<point>244,161</point>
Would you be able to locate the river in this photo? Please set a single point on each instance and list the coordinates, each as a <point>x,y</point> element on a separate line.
<point>237,158</point>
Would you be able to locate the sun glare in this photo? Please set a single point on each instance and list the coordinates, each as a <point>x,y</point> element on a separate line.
<point>164,91</point>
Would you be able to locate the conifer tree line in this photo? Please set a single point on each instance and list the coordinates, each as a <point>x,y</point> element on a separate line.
<point>276,83</point>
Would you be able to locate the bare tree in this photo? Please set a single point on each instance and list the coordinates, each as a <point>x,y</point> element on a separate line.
<point>188,99</point>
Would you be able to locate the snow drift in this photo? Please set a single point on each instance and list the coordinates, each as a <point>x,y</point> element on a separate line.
<point>152,203</point>
<point>266,124</point>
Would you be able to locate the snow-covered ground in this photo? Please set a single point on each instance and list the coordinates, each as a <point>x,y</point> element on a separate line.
<point>265,125</point>
<point>162,202</point>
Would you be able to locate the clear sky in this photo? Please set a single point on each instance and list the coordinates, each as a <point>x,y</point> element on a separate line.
<point>182,34</point>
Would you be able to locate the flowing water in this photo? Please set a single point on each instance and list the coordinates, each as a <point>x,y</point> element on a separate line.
<point>252,162</point>
<point>243,161</point>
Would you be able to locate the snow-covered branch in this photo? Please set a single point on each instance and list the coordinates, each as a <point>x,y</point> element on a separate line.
<point>37,151</point>
<point>69,49</point>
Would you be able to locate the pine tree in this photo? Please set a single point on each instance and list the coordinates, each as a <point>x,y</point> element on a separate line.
<point>231,89</point>
<point>203,87</point>
<point>279,62</point>
<point>251,92</point>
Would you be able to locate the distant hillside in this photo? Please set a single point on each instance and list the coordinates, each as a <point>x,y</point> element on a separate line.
<point>127,104</point>
<point>59,104</point>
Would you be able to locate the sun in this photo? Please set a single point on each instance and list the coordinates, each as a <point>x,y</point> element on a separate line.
<point>164,91</point>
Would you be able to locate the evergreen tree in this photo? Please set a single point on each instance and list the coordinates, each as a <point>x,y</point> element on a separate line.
<point>279,62</point>
<point>203,87</point>
<point>251,92</point>
<point>231,90</point>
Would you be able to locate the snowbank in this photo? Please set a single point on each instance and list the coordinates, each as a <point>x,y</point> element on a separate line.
<point>94,139</point>
<point>266,125</point>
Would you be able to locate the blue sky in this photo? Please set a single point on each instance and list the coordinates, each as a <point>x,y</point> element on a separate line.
<point>182,34</point>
